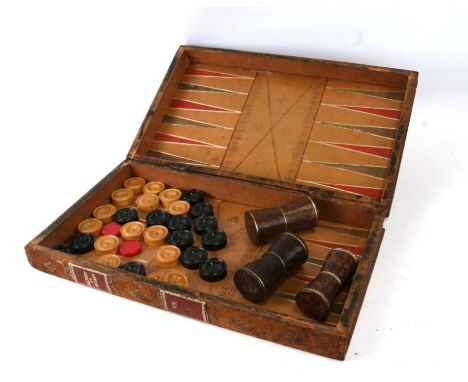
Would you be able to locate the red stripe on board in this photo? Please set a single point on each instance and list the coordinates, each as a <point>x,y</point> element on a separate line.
<point>305,278</point>
<point>353,248</point>
<point>183,104</point>
<point>173,139</point>
<point>389,113</point>
<point>383,152</point>
<point>209,73</point>
<point>375,193</point>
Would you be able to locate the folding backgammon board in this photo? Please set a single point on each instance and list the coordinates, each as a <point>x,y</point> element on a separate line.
<point>256,131</point>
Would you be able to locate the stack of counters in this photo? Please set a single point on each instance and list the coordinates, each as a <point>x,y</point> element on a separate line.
<point>178,207</point>
<point>81,243</point>
<point>155,235</point>
<point>135,184</point>
<point>110,260</point>
<point>214,240</point>
<point>92,226</point>
<point>178,222</point>
<point>106,245</point>
<point>153,188</point>
<point>132,231</point>
<point>130,248</point>
<point>134,267</point>
<point>167,256</point>
<point>168,196</point>
<point>213,269</point>
<point>125,215</point>
<point>181,238</point>
<point>193,196</point>
<point>193,257</point>
<point>205,223</point>
<point>158,217</point>
<point>112,228</point>
<point>176,277</point>
<point>201,209</point>
<point>64,248</point>
<point>123,197</point>
<point>156,275</point>
<point>104,212</point>
<point>147,203</point>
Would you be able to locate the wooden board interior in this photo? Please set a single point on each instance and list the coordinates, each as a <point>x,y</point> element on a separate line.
<point>315,131</point>
<point>341,225</point>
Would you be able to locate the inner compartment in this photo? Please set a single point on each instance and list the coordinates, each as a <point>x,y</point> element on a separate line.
<point>293,122</point>
<point>342,224</point>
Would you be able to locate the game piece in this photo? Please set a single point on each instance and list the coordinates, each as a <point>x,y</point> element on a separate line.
<point>264,224</point>
<point>130,248</point>
<point>192,257</point>
<point>167,256</point>
<point>147,202</point>
<point>92,226</point>
<point>316,298</point>
<point>154,275</point>
<point>135,184</point>
<point>179,222</point>
<point>159,217</point>
<point>193,196</point>
<point>64,248</point>
<point>107,244</point>
<point>181,238</point>
<point>153,188</point>
<point>134,267</point>
<point>132,231</point>
<point>155,235</point>
<point>213,269</point>
<point>177,278</point>
<point>126,215</point>
<point>214,240</point>
<point>257,280</point>
<point>201,209</point>
<point>104,212</point>
<point>82,243</point>
<point>205,223</point>
<point>122,197</point>
<point>168,196</point>
<point>113,261</point>
<point>178,207</point>
<point>112,228</point>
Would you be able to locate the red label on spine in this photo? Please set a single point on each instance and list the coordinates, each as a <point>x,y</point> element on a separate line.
<point>186,306</point>
<point>89,277</point>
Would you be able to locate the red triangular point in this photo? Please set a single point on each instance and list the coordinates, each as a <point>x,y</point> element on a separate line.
<point>353,248</point>
<point>207,73</point>
<point>383,152</point>
<point>161,137</point>
<point>184,104</point>
<point>388,113</point>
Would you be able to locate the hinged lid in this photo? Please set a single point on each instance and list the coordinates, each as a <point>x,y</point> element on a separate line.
<point>328,127</point>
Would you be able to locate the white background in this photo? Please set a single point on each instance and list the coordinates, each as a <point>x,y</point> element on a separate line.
<point>76,80</point>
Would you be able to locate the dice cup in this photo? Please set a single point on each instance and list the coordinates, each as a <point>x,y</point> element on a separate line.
<point>316,298</point>
<point>257,280</point>
<point>264,224</point>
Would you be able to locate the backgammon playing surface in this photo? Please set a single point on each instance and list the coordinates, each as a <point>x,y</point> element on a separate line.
<point>240,250</point>
<point>325,133</point>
